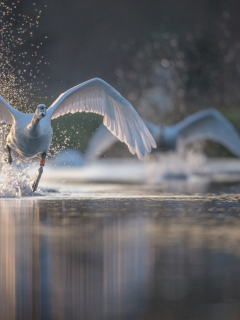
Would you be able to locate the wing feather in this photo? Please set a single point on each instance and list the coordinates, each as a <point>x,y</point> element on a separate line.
<point>103,139</point>
<point>119,116</point>
<point>7,113</point>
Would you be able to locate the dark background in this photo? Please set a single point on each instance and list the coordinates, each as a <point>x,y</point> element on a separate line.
<point>80,33</point>
<point>123,42</point>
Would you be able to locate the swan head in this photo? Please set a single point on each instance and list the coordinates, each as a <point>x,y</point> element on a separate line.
<point>41,111</point>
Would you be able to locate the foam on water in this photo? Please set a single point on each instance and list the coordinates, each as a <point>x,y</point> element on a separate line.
<point>16,181</point>
<point>178,165</point>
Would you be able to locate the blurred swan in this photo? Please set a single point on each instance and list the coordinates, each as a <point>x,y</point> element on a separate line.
<point>207,124</point>
<point>32,133</point>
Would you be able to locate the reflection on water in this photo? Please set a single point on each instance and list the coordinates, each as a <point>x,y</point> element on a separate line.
<point>120,259</point>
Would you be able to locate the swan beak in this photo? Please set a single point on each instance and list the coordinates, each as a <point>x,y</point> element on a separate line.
<point>41,111</point>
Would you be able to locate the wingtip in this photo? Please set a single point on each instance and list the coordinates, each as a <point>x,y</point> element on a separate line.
<point>140,155</point>
<point>154,145</point>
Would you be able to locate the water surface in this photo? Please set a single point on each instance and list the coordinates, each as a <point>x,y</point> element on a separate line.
<point>121,254</point>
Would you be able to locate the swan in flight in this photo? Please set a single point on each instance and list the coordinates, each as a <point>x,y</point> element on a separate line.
<point>208,124</point>
<point>32,133</point>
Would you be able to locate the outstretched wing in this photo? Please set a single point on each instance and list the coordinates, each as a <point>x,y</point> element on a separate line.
<point>209,124</point>
<point>7,112</point>
<point>118,114</point>
<point>103,139</point>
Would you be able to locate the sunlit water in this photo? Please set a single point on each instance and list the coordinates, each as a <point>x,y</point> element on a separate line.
<point>118,251</point>
<point>120,254</point>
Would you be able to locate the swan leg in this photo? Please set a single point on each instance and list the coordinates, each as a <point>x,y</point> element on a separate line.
<point>8,160</point>
<point>40,171</point>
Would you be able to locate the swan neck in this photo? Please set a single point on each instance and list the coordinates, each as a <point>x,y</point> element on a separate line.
<point>33,126</point>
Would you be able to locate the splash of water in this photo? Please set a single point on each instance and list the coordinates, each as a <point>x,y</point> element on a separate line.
<point>17,85</point>
<point>20,60</point>
<point>178,165</point>
<point>16,182</point>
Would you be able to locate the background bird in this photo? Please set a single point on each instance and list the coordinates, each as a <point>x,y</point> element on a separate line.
<point>208,124</point>
<point>32,133</point>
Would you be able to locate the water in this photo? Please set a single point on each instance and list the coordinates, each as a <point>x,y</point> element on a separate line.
<point>121,253</point>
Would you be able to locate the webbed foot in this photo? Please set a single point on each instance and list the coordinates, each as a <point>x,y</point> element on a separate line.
<point>8,160</point>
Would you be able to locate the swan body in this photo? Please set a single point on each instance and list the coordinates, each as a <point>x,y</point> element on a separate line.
<point>28,138</point>
<point>207,124</point>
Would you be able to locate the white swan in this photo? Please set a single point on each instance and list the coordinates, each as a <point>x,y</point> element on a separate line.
<point>32,133</point>
<point>207,124</point>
